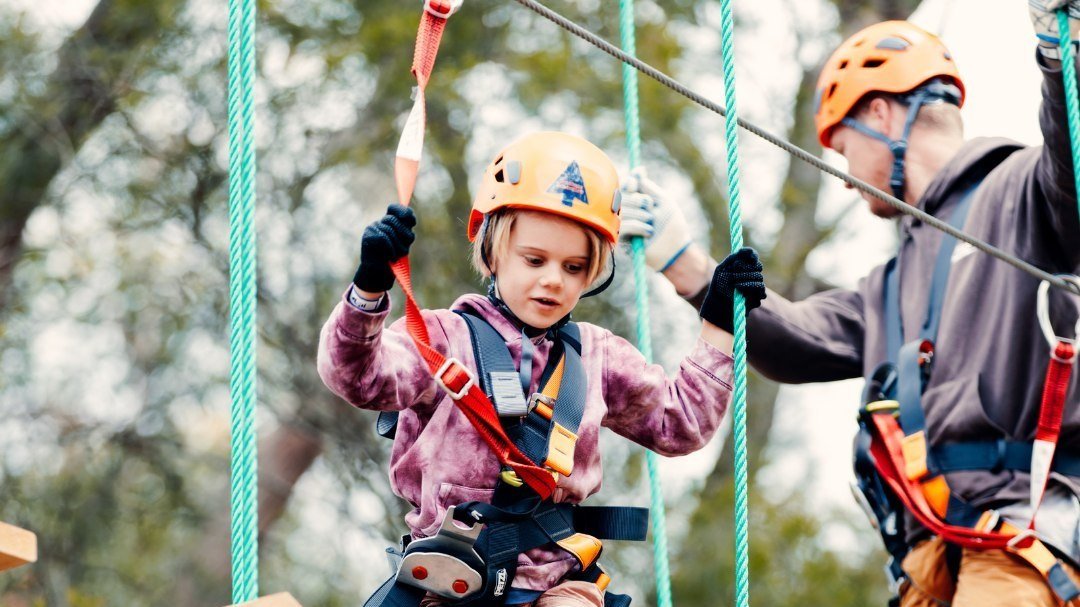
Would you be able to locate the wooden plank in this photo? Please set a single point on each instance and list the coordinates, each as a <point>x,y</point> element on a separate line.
<point>281,599</point>
<point>17,547</point>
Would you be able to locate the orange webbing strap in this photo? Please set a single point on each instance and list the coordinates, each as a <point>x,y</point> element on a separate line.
<point>411,144</point>
<point>991,533</point>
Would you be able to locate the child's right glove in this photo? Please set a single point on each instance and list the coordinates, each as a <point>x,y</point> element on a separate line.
<point>383,242</point>
<point>739,271</point>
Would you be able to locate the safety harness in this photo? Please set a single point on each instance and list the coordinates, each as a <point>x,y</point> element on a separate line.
<point>473,557</point>
<point>895,468</point>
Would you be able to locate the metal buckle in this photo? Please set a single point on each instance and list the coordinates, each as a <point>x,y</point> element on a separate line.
<point>458,394</point>
<point>1014,544</point>
<point>1043,313</point>
<point>539,397</point>
<point>442,8</point>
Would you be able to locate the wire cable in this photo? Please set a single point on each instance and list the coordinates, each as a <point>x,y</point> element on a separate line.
<point>793,149</point>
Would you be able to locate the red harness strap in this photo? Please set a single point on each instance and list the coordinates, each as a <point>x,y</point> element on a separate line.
<point>449,373</point>
<point>1062,357</point>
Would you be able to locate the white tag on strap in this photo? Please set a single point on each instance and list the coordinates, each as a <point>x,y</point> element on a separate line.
<point>506,392</point>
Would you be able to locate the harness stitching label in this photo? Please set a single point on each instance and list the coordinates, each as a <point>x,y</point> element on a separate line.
<point>500,582</point>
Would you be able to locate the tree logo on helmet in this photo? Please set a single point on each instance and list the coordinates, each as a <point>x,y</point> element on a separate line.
<point>570,186</point>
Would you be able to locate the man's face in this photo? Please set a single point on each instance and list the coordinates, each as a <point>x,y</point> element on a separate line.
<point>868,159</point>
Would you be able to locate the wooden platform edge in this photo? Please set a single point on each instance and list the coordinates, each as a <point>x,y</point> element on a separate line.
<point>18,547</point>
<point>281,599</point>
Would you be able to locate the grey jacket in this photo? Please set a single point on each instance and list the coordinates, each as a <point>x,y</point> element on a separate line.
<point>991,357</point>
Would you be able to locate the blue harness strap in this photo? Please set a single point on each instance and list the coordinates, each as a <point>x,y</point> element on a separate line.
<point>531,432</point>
<point>998,455</point>
<point>912,372</point>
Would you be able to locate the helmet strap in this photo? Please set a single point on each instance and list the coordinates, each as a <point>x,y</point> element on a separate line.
<point>607,281</point>
<point>934,91</point>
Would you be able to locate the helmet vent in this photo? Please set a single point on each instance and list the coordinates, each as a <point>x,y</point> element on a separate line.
<point>832,89</point>
<point>893,43</point>
<point>871,63</point>
<point>843,64</point>
<point>499,176</point>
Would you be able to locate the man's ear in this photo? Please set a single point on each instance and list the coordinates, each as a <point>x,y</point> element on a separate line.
<point>879,115</point>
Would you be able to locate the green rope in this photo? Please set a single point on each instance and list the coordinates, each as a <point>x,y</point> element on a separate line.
<point>1072,99</point>
<point>731,144</point>
<point>641,293</point>
<point>242,335</point>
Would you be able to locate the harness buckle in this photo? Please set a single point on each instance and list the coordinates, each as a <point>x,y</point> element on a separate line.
<point>459,370</point>
<point>1025,534</point>
<point>445,564</point>
<point>442,8</point>
<point>543,404</point>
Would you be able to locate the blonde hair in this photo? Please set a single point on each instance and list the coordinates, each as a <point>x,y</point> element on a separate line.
<point>493,242</point>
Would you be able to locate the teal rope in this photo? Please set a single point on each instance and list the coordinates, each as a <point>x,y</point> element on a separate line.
<point>644,338</point>
<point>242,373</point>
<point>731,143</point>
<point>1072,99</point>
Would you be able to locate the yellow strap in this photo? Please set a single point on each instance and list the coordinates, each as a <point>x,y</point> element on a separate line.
<point>585,548</point>
<point>914,449</point>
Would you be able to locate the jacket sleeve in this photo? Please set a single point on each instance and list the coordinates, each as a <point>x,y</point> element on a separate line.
<point>1052,205</point>
<point>817,339</point>
<point>671,416</point>
<point>372,368</point>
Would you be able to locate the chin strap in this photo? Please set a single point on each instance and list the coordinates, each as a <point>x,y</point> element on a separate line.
<point>935,91</point>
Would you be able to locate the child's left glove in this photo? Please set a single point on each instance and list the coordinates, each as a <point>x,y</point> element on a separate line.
<point>383,242</point>
<point>739,271</point>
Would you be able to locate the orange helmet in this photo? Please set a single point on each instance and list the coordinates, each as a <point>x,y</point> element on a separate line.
<point>554,173</point>
<point>890,57</point>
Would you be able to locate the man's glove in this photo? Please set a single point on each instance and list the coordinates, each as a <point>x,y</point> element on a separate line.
<point>646,212</point>
<point>384,241</point>
<point>1044,19</point>
<point>740,271</point>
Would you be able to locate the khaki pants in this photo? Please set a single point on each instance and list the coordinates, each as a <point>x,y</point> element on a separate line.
<point>566,594</point>
<point>986,578</point>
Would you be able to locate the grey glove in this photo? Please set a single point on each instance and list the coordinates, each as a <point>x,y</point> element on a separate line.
<point>647,212</point>
<point>1045,21</point>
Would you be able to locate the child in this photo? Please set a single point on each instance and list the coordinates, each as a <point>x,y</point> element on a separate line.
<point>543,227</point>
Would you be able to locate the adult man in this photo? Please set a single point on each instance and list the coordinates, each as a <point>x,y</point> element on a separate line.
<point>888,101</point>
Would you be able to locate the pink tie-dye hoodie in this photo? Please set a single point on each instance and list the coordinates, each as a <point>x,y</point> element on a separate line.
<point>439,460</point>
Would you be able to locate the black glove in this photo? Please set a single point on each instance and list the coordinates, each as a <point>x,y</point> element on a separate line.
<point>384,241</point>
<point>739,271</point>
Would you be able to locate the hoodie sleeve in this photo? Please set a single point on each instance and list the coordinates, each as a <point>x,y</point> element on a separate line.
<point>1051,202</point>
<point>817,339</point>
<point>671,416</point>
<point>372,368</point>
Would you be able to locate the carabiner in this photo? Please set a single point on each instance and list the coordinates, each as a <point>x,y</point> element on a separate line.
<point>1043,313</point>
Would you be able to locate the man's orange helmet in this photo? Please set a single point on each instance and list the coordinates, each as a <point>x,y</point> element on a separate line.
<point>555,173</point>
<point>889,57</point>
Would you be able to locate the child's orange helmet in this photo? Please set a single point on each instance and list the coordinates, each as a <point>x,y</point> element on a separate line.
<point>555,173</point>
<point>889,57</point>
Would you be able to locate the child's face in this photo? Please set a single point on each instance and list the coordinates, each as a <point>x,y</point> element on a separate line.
<point>545,268</point>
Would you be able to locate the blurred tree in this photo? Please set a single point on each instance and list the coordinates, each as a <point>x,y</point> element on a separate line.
<point>113,281</point>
